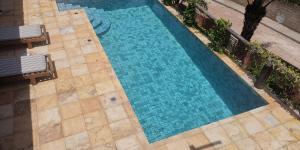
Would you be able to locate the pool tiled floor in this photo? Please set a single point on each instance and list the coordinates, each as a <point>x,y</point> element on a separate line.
<point>86,107</point>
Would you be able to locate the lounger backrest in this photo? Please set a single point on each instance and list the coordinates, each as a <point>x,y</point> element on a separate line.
<point>22,65</point>
<point>20,32</point>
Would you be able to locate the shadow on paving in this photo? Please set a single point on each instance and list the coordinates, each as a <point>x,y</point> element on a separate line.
<point>15,107</point>
<point>206,146</point>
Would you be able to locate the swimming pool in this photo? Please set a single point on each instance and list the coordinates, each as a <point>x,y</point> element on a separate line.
<point>173,82</point>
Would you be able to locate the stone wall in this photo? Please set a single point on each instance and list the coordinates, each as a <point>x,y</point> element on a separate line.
<point>287,14</point>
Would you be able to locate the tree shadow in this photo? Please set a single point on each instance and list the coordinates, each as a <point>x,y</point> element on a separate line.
<point>203,147</point>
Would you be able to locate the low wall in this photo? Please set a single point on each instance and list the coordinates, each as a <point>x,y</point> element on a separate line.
<point>284,13</point>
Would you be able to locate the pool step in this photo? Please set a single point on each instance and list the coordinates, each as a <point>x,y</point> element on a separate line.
<point>103,28</point>
<point>63,6</point>
<point>97,17</point>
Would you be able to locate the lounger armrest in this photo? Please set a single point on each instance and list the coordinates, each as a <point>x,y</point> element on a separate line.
<point>50,66</point>
<point>43,29</point>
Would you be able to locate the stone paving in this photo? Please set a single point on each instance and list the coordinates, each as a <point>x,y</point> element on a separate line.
<point>85,108</point>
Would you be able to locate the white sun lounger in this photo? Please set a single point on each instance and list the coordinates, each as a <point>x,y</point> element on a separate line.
<point>27,67</point>
<point>23,35</point>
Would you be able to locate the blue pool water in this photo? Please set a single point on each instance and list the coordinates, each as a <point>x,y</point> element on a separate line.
<point>174,83</point>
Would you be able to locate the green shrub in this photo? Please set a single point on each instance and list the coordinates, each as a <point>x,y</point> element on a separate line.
<point>284,81</point>
<point>219,36</point>
<point>170,2</point>
<point>297,2</point>
<point>190,12</point>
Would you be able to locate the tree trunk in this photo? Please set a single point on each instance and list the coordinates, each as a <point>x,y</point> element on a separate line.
<point>253,15</point>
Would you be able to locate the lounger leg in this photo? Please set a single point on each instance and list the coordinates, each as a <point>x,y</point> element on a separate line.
<point>29,44</point>
<point>33,81</point>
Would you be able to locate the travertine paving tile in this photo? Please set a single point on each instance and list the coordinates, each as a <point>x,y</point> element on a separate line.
<point>121,129</point>
<point>105,87</point>
<point>294,146</point>
<point>6,97</point>
<point>78,141</point>
<point>62,63</point>
<point>71,44</point>
<point>234,130</point>
<point>88,48</point>
<point>251,144</point>
<point>44,89</point>
<point>6,111</point>
<point>64,85</point>
<point>86,92</point>
<point>229,147</point>
<point>23,140</point>
<point>46,102</point>
<point>111,99</point>
<point>67,97</point>
<point>251,124</point>
<point>22,94</point>
<point>282,135</point>
<point>65,30</point>
<point>90,104</point>
<point>71,52</point>
<point>128,143</point>
<point>23,107</point>
<point>100,135</point>
<point>294,127</point>
<point>92,57</point>
<point>95,119</point>
<point>218,135</point>
<point>199,141</point>
<point>101,75</point>
<point>108,146</point>
<point>76,60</point>
<point>281,114</point>
<point>178,145</point>
<point>49,116</point>
<point>135,123</point>
<point>70,110</point>
<point>83,80</point>
<point>79,69</point>
<point>267,118</point>
<point>54,145</point>
<point>6,127</point>
<point>64,73</point>
<point>6,143</point>
<point>73,125</point>
<point>23,123</point>
<point>266,141</point>
<point>115,113</point>
<point>61,54</point>
<point>97,66</point>
<point>50,132</point>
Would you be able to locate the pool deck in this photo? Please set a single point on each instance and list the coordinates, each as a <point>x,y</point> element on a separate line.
<point>75,111</point>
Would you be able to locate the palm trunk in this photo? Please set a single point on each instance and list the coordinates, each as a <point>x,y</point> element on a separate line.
<point>253,15</point>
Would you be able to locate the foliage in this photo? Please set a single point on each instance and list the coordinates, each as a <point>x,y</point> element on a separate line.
<point>284,80</point>
<point>219,35</point>
<point>190,12</point>
<point>292,1</point>
<point>170,2</point>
